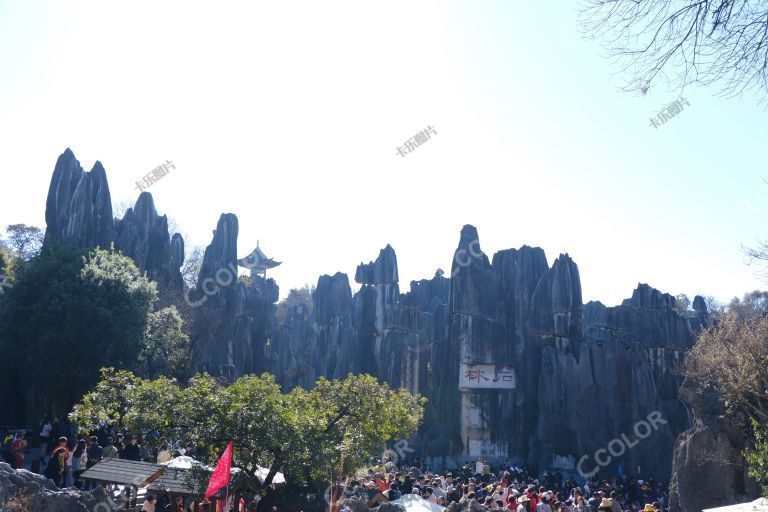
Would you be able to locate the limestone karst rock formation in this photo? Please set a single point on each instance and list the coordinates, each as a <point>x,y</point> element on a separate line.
<point>78,210</point>
<point>709,469</point>
<point>232,321</point>
<point>579,375</point>
<point>514,364</point>
<point>142,234</point>
<point>79,213</point>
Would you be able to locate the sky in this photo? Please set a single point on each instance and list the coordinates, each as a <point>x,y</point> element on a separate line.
<point>289,115</point>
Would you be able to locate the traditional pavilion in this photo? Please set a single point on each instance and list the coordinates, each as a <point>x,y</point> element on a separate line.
<point>258,262</point>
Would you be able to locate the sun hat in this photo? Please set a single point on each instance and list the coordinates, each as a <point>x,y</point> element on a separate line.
<point>606,504</point>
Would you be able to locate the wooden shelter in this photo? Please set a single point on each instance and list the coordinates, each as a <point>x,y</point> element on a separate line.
<point>154,478</point>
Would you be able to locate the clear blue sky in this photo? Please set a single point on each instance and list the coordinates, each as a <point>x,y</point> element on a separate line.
<point>289,114</point>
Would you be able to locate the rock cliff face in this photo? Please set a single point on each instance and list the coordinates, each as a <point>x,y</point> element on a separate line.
<point>514,365</point>
<point>78,212</point>
<point>142,234</point>
<point>23,490</point>
<point>232,321</point>
<point>708,468</point>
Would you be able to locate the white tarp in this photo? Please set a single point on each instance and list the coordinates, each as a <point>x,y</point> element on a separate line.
<point>184,462</point>
<point>759,505</point>
<point>181,462</point>
<point>262,473</point>
<point>414,503</point>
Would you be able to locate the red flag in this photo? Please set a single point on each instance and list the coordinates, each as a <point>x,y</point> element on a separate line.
<point>220,476</point>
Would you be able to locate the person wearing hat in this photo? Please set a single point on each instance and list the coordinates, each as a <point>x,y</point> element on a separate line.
<point>543,504</point>
<point>605,505</point>
<point>524,503</point>
<point>57,465</point>
<point>437,490</point>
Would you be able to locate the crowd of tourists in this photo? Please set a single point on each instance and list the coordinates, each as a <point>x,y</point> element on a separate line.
<point>482,486</point>
<point>62,455</point>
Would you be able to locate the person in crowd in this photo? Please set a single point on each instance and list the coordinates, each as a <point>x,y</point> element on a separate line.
<point>120,445</point>
<point>132,450</point>
<point>164,455</point>
<point>56,433</point>
<point>94,452</point>
<point>524,504</point>
<point>109,451</point>
<point>543,505</point>
<point>18,447</point>
<point>149,504</point>
<point>7,451</point>
<point>57,464</point>
<point>79,462</point>
<point>44,437</point>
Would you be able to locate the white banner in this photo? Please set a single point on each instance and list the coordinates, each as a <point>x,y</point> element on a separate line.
<point>486,376</point>
<point>479,448</point>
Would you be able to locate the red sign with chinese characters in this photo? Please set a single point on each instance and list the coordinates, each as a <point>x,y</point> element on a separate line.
<point>486,376</point>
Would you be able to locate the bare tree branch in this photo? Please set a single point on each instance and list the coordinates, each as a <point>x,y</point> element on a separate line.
<point>700,41</point>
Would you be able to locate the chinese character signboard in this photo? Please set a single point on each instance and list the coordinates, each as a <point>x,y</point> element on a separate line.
<point>486,376</point>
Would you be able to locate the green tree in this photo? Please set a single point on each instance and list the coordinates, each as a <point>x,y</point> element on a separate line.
<point>682,304</point>
<point>732,358</point>
<point>757,455</point>
<point>7,265</point>
<point>295,297</point>
<point>303,433</point>
<point>25,241</point>
<point>166,349</point>
<point>191,267</point>
<point>70,313</point>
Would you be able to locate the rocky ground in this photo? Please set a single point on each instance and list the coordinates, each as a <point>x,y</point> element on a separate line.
<point>24,491</point>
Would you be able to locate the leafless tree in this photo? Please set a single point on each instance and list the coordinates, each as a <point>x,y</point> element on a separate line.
<point>758,255</point>
<point>191,267</point>
<point>119,209</point>
<point>684,41</point>
<point>731,357</point>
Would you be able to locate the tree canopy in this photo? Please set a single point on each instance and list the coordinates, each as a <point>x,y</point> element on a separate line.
<point>303,433</point>
<point>69,313</point>
<point>25,241</point>
<point>295,297</point>
<point>166,349</point>
<point>732,358</point>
